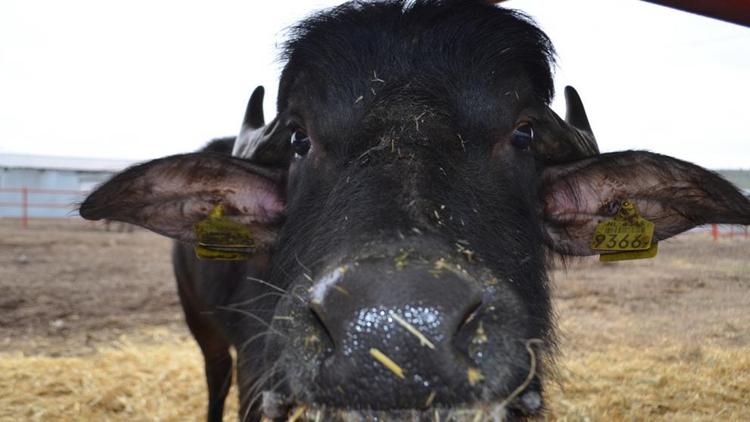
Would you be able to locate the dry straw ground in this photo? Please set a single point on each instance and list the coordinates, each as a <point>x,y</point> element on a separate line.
<point>90,330</point>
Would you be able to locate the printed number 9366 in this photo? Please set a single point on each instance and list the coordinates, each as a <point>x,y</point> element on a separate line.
<point>621,242</point>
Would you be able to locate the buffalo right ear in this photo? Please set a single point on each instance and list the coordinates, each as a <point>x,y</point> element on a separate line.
<point>171,195</point>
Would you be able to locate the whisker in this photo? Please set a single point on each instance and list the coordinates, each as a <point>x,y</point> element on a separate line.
<point>267,284</point>
<point>253,316</point>
<point>259,297</point>
<point>529,377</point>
<point>255,392</point>
<point>306,273</point>
<point>265,376</point>
<point>278,289</point>
<point>252,390</point>
<point>254,338</point>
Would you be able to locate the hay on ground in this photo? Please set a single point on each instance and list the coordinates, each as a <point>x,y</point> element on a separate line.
<point>162,382</point>
<point>165,382</point>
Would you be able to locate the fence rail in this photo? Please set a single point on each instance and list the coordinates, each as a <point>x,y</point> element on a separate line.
<point>718,231</point>
<point>26,202</point>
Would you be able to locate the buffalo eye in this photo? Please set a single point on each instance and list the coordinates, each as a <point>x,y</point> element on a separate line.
<point>522,136</point>
<point>300,142</point>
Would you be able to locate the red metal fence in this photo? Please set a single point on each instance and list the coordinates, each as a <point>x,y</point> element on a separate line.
<point>718,231</point>
<point>26,200</point>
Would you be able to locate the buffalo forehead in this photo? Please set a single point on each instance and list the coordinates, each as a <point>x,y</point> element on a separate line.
<point>349,58</point>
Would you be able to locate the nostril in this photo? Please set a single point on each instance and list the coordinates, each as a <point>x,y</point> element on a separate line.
<point>470,330</point>
<point>471,314</point>
<point>316,310</point>
<point>322,334</point>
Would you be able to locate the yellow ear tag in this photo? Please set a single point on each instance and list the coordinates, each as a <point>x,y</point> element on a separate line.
<point>220,238</point>
<point>626,236</point>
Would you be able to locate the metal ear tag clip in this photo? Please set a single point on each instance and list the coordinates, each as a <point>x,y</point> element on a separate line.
<point>219,238</point>
<point>625,236</point>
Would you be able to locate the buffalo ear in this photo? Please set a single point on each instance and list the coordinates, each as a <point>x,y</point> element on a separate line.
<point>171,195</point>
<point>672,194</point>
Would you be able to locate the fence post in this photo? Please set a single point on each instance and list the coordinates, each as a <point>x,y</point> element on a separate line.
<point>25,207</point>
<point>714,231</point>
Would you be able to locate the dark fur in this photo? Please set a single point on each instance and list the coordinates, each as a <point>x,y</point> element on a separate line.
<point>220,145</point>
<point>442,53</point>
<point>429,76</point>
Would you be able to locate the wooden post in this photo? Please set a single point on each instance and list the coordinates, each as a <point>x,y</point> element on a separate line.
<point>25,207</point>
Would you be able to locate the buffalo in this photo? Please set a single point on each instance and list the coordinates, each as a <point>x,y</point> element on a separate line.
<point>392,227</point>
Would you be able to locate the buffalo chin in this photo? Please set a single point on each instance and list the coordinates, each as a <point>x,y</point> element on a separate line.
<point>528,404</point>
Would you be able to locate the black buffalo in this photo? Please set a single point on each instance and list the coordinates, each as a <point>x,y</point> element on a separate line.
<point>402,207</point>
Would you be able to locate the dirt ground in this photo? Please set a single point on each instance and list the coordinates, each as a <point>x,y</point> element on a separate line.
<point>67,287</point>
<point>665,338</point>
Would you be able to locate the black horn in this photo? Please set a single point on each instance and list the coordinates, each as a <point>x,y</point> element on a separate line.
<point>575,113</point>
<point>254,118</point>
<point>561,141</point>
<point>260,143</point>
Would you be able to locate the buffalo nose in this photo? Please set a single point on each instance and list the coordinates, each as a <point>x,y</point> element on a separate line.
<point>394,323</point>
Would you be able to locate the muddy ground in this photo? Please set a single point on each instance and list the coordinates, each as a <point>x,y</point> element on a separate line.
<point>68,289</point>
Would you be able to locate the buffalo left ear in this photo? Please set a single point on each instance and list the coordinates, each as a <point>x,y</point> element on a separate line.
<point>674,195</point>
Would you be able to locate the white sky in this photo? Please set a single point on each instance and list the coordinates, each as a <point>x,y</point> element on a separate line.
<point>142,79</point>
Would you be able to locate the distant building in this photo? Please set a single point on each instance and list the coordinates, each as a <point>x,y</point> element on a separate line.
<point>52,183</point>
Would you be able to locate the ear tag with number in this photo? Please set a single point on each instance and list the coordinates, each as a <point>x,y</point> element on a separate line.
<point>626,236</point>
<point>220,238</point>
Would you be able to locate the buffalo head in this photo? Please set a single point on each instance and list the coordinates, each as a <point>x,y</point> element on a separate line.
<point>408,196</point>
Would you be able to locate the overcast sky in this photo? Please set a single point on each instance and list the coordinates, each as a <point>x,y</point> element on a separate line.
<point>142,79</point>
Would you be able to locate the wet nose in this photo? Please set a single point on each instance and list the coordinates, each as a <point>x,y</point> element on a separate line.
<point>393,325</point>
